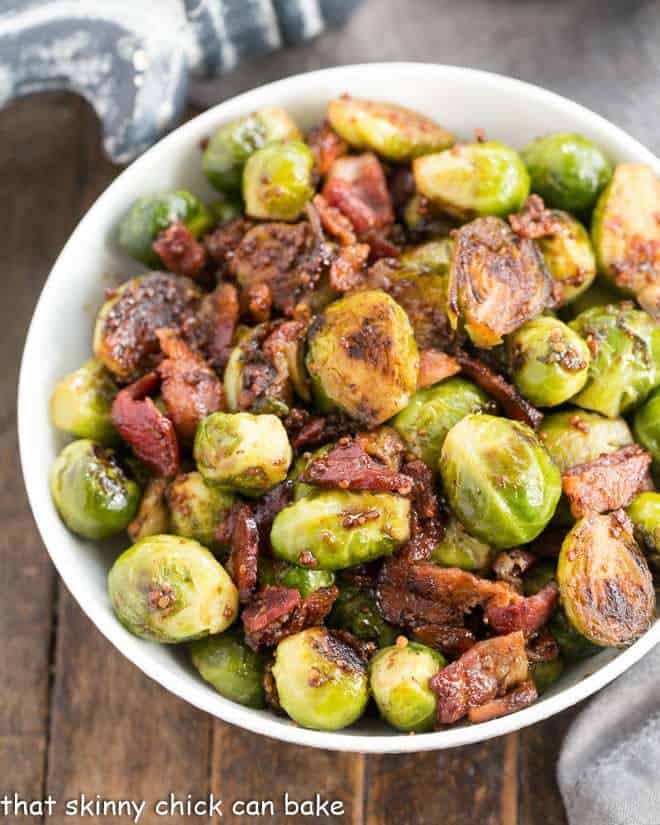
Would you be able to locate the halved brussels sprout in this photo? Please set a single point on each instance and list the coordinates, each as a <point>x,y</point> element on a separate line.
<point>458,548</point>
<point>432,256</point>
<point>321,683</point>
<point>545,674</point>
<point>171,589</point>
<point>232,144</point>
<point>423,296</point>
<point>574,436</point>
<point>399,680</point>
<point>646,426</point>
<point>425,220</point>
<point>392,131</point>
<point>151,214</point>
<point>336,529</point>
<point>538,575</point>
<point>197,509</point>
<point>499,480</point>
<point>605,583</point>
<point>567,170</point>
<point>473,179</point>
<point>572,644</point>
<point>81,402</point>
<point>242,452</point>
<point>625,363</point>
<point>363,357</point>
<point>644,512</point>
<point>235,670</point>
<point>302,579</point>
<point>569,257</point>
<point>549,361</point>
<point>91,492</point>
<point>355,610</point>
<point>153,515</point>
<point>433,411</point>
<point>277,181</point>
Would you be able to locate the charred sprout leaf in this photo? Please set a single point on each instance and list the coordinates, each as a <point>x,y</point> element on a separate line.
<point>321,682</point>
<point>499,480</point>
<point>333,530</point>
<point>605,583</point>
<point>457,548</point>
<point>574,436</point>
<point>355,610</point>
<point>303,579</point>
<point>277,181</point>
<point>399,680</point>
<point>567,170</point>
<point>81,403</point>
<point>171,589</point>
<point>197,509</point>
<point>545,674</point>
<point>646,426</point>
<point>91,492</point>
<point>644,512</point>
<point>363,357</point>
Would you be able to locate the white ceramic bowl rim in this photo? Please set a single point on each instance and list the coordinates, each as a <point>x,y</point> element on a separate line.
<point>346,78</point>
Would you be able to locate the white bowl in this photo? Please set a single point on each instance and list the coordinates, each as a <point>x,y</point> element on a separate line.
<point>59,340</point>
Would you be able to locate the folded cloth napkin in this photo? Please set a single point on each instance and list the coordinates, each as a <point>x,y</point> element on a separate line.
<point>608,768</point>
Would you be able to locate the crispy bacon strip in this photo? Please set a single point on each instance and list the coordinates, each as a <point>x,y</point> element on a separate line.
<point>542,647</point>
<point>179,251</point>
<point>334,222</point>
<point>225,312</point>
<point>310,431</point>
<point>610,482</point>
<point>244,550</point>
<point>347,271</point>
<point>516,699</point>
<point>223,242</point>
<point>435,366</point>
<point>268,507</point>
<point>448,639</point>
<point>424,498</point>
<point>141,424</point>
<point>326,146</point>
<point>356,185</point>
<point>525,613</point>
<point>535,221</point>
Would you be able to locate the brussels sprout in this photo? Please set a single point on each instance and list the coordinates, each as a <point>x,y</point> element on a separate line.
<point>499,480</point>
<point>545,674</point>
<point>644,512</point>
<point>226,208</point>
<point>321,683</point>
<point>473,179</point>
<point>232,144</point>
<point>355,610</point>
<point>625,363</point>
<point>336,529</point>
<point>234,670</point>
<point>153,515</point>
<point>197,509</point>
<point>242,452</point>
<point>572,644</point>
<point>567,170</point>
<point>458,548</point>
<point>151,214</point>
<point>302,579</point>
<point>363,357</point>
<point>399,680</point>
<point>604,581</point>
<point>549,361</point>
<point>171,589</point>
<point>81,402</point>
<point>599,294</point>
<point>425,220</point>
<point>423,296</point>
<point>432,256</point>
<point>625,229</point>
<point>538,575</point>
<point>91,492</point>
<point>569,257</point>
<point>574,436</point>
<point>433,411</point>
<point>394,132</point>
<point>646,425</point>
<point>277,181</point>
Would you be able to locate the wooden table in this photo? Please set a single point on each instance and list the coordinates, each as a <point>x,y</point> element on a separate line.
<point>75,716</point>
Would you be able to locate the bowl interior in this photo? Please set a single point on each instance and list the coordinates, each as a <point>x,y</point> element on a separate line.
<point>61,332</point>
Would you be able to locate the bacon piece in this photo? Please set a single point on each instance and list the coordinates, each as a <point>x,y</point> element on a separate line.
<point>435,366</point>
<point>223,242</point>
<point>487,670</point>
<point>401,183</point>
<point>191,389</point>
<point>326,146</point>
<point>276,499</point>
<point>535,221</point>
<point>334,222</point>
<point>348,467</point>
<point>448,639</point>
<point>511,401</point>
<point>610,482</point>
<point>509,565</point>
<point>356,186</point>
<point>260,302</point>
<point>310,431</point>
<point>517,699</point>
<point>223,312</point>
<point>525,613</point>
<point>179,251</point>
<point>244,552</point>
<point>424,498</point>
<point>143,426</point>
<point>347,271</point>
<point>542,647</point>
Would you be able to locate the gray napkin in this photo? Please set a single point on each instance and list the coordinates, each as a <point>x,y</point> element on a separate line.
<point>608,768</point>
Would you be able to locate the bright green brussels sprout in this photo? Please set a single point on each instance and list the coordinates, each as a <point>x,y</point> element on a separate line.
<point>457,548</point>
<point>499,480</point>
<point>625,363</point>
<point>599,294</point>
<point>355,610</point>
<point>234,670</point>
<point>91,492</point>
<point>153,515</point>
<point>363,357</point>
<point>433,411</point>
<point>575,436</point>
<point>646,425</point>
<point>321,682</point>
<point>569,257</point>
<point>302,579</point>
<point>604,581</point>
<point>432,256</point>
<point>197,509</point>
<point>473,179</point>
<point>151,214</point>
<point>538,575</point>
<point>335,529</point>
<point>232,144</point>
<point>394,132</point>
<point>226,208</point>
<point>242,452</point>
<point>81,402</point>
<point>644,512</point>
<point>545,674</point>
<point>572,644</point>
<point>399,681</point>
<point>549,361</point>
<point>567,170</point>
<point>277,181</point>
<point>171,589</point>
